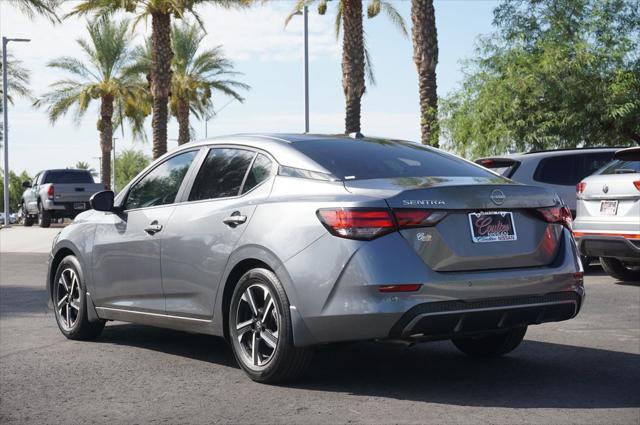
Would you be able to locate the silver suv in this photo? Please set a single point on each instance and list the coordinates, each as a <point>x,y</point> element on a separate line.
<point>608,220</point>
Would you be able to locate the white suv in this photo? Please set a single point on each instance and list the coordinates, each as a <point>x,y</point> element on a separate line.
<point>607,224</point>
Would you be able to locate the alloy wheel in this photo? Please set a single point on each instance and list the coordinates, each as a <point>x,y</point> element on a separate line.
<point>68,299</point>
<point>257,325</point>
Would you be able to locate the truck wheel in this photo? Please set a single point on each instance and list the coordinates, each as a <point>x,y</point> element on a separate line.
<point>27,219</point>
<point>619,270</point>
<point>44,217</point>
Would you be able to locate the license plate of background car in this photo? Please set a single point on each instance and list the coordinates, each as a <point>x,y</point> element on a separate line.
<point>608,207</point>
<point>80,206</point>
<point>492,226</point>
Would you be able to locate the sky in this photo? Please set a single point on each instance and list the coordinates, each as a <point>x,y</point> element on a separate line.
<point>270,58</point>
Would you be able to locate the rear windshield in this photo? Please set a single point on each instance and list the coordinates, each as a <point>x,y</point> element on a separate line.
<point>621,167</point>
<point>67,176</point>
<point>376,159</point>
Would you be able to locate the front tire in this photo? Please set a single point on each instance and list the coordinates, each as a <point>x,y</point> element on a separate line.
<point>619,270</point>
<point>44,217</point>
<point>491,345</point>
<point>261,332</point>
<point>70,302</point>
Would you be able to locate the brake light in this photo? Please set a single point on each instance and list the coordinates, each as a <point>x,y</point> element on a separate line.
<point>50,192</point>
<point>557,214</point>
<point>580,187</point>
<point>367,224</point>
<point>637,184</point>
<point>364,224</point>
<point>417,218</point>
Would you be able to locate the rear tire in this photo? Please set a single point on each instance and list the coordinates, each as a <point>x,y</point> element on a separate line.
<point>44,217</point>
<point>69,296</point>
<point>253,336</point>
<point>491,345</point>
<point>27,219</point>
<point>586,262</point>
<point>618,270</point>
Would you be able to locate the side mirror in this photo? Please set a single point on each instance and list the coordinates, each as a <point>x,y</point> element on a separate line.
<point>26,184</point>
<point>102,201</point>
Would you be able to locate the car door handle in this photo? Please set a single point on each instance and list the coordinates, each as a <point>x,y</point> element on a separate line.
<point>153,228</point>
<point>234,219</point>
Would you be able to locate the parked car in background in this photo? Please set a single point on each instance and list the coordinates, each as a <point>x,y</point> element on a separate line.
<point>12,219</point>
<point>559,170</point>
<point>56,194</point>
<point>607,224</point>
<point>284,242</point>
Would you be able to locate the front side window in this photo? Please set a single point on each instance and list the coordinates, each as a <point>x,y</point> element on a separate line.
<point>261,170</point>
<point>161,185</point>
<point>221,174</point>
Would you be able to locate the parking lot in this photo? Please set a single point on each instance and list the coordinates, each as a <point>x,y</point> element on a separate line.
<point>586,370</point>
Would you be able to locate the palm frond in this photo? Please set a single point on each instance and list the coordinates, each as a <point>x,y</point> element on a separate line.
<point>32,8</point>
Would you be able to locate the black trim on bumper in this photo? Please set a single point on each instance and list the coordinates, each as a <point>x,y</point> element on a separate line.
<point>608,246</point>
<point>448,319</point>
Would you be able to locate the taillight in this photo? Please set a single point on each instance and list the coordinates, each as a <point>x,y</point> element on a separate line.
<point>580,187</point>
<point>364,224</point>
<point>557,214</point>
<point>367,224</point>
<point>417,218</point>
<point>637,184</point>
<point>50,192</point>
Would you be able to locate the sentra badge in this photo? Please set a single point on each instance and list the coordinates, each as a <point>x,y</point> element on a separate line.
<point>422,202</point>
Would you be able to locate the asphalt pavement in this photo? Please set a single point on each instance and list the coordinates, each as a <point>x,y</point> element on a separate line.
<point>586,370</point>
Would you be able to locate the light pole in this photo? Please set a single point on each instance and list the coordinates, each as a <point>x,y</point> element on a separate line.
<point>5,136</point>
<point>305,16</point>
<point>113,187</point>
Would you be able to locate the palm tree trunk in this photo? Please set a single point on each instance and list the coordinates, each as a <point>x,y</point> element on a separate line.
<point>352,62</point>
<point>161,55</point>
<point>182,113</point>
<point>425,56</point>
<point>105,126</point>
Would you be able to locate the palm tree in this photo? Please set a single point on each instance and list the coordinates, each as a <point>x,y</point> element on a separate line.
<point>355,58</point>
<point>31,8</point>
<point>425,56</point>
<point>161,53</point>
<point>99,75</point>
<point>18,81</point>
<point>195,75</point>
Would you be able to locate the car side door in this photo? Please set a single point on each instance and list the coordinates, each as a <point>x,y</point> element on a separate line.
<point>126,250</point>
<point>204,230</point>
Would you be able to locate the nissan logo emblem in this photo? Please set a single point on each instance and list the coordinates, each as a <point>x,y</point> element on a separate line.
<point>605,188</point>
<point>498,197</point>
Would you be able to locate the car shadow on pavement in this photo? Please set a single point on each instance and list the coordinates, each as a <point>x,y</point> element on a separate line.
<point>536,375</point>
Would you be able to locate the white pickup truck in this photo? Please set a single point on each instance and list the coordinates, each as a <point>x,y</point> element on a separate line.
<point>57,194</point>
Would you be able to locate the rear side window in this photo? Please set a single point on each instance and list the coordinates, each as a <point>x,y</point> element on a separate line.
<point>621,167</point>
<point>67,176</point>
<point>161,185</point>
<point>349,159</point>
<point>261,170</point>
<point>569,170</point>
<point>221,174</point>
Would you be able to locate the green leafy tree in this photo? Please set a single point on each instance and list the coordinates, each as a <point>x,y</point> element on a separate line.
<point>15,189</point>
<point>196,74</point>
<point>160,12</point>
<point>425,56</point>
<point>128,164</point>
<point>99,75</point>
<point>555,74</point>
<point>355,58</point>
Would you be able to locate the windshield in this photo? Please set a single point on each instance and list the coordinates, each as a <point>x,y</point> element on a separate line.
<point>350,159</point>
<point>68,176</point>
<point>621,167</point>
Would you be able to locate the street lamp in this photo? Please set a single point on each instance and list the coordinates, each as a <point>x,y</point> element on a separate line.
<point>305,19</point>
<point>5,104</point>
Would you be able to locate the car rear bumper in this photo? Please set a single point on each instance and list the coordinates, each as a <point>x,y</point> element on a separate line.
<point>448,304</point>
<point>616,246</point>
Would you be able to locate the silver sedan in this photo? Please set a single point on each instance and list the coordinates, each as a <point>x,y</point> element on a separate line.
<point>281,243</point>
